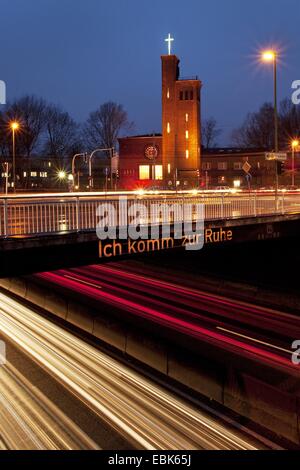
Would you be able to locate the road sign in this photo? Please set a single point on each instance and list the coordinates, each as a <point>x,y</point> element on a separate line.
<point>279,156</point>
<point>247,167</point>
<point>6,166</point>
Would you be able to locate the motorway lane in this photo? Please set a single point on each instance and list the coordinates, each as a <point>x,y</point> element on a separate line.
<point>248,330</point>
<point>147,415</point>
<point>30,421</point>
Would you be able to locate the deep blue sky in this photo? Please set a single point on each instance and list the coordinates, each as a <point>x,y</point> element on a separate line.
<point>80,53</point>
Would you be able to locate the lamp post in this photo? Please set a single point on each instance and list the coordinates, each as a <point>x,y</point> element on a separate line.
<point>14,127</point>
<point>77,155</point>
<point>271,56</point>
<point>91,179</point>
<point>295,144</point>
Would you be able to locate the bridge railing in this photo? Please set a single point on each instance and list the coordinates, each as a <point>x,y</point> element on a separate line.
<point>21,217</point>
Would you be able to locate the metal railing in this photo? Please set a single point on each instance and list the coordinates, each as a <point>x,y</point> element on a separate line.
<point>37,215</point>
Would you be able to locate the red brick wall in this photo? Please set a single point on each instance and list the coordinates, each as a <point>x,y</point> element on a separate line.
<point>132,154</point>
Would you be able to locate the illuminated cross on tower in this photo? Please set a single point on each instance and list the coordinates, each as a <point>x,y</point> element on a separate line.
<point>169,40</point>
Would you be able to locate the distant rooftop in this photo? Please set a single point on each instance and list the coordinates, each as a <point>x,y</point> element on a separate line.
<point>231,150</point>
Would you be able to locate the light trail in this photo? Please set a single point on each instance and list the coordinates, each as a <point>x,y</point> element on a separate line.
<point>30,421</point>
<point>287,351</point>
<point>144,413</point>
<point>189,312</point>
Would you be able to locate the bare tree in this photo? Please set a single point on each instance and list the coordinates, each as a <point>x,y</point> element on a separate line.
<point>31,112</point>
<point>5,142</point>
<point>210,133</point>
<point>258,128</point>
<point>104,125</point>
<point>61,133</point>
<point>289,120</point>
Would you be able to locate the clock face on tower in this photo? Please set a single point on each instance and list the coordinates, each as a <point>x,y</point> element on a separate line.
<point>151,152</point>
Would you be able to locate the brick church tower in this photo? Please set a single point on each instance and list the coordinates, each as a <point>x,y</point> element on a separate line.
<point>180,123</point>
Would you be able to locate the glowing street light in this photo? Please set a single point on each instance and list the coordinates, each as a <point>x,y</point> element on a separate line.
<point>270,56</point>
<point>14,126</point>
<point>61,175</point>
<point>295,144</point>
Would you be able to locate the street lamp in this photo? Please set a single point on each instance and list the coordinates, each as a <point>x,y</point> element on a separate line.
<point>77,155</point>
<point>295,144</point>
<point>14,128</point>
<point>271,56</point>
<point>91,180</point>
<point>61,175</point>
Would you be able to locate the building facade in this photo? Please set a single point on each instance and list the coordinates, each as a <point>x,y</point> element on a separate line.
<point>165,159</point>
<point>180,122</point>
<point>174,159</point>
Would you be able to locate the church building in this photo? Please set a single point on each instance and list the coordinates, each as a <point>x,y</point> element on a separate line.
<point>173,157</point>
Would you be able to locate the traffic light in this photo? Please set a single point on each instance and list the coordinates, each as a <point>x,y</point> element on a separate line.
<point>280,168</point>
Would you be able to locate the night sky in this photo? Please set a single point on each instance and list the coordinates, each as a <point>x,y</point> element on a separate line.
<point>81,53</point>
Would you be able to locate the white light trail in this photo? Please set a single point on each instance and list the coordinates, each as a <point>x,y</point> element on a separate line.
<point>144,413</point>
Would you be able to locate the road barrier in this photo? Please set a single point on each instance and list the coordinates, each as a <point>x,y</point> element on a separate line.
<point>22,216</point>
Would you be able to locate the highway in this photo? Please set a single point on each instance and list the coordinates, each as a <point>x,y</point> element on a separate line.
<point>145,414</point>
<point>247,330</point>
<point>30,421</point>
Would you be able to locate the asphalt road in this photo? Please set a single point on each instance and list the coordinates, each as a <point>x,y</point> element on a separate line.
<point>249,331</point>
<point>59,392</point>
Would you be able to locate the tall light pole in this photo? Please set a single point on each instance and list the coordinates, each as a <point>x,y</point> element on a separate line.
<point>271,56</point>
<point>295,145</point>
<point>78,155</point>
<point>111,152</point>
<point>14,127</point>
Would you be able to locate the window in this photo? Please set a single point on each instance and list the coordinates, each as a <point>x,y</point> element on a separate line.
<point>43,174</point>
<point>191,95</point>
<point>49,164</point>
<point>238,165</point>
<point>186,118</point>
<point>158,172</point>
<point>181,95</point>
<point>168,128</point>
<point>222,166</point>
<point>33,174</point>
<point>144,172</point>
<point>187,135</point>
<point>168,93</point>
<point>206,166</point>
<point>169,168</point>
<point>186,95</point>
<point>187,154</point>
<point>24,174</point>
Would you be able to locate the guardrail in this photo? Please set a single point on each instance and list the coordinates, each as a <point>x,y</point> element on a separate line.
<point>37,215</point>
